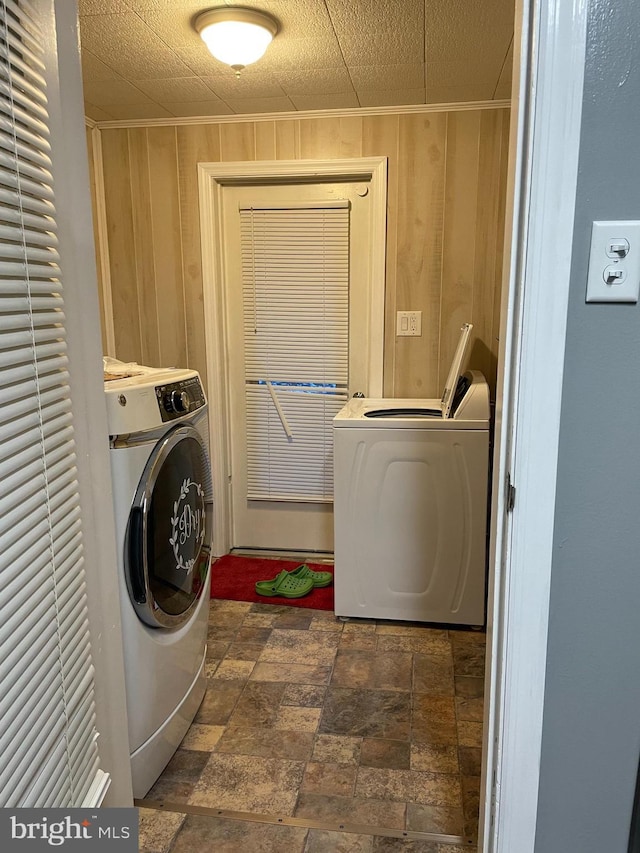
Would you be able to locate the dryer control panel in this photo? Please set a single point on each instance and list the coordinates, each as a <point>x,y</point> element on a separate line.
<point>177,399</point>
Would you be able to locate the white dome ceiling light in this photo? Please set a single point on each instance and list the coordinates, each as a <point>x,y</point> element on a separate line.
<point>235,35</point>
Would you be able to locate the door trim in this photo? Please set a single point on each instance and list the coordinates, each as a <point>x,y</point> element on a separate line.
<point>543,169</point>
<point>212,178</point>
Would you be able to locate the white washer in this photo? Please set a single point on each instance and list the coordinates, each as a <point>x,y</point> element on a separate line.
<point>410,503</point>
<point>158,437</point>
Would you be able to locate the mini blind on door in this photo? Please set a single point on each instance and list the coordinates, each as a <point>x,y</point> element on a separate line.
<point>48,750</point>
<point>295,278</point>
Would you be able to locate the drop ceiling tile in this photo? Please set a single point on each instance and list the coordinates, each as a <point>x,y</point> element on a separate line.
<point>382,48</point>
<point>325,102</point>
<point>284,54</point>
<point>443,94</point>
<point>174,89</point>
<point>211,107</point>
<point>140,5</point>
<point>251,84</point>
<point>138,111</point>
<point>391,97</point>
<point>243,106</point>
<point>104,93</point>
<point>324,81</point>
<point>102,7</point>
<point>175,25</point>
<point>301,19</point>
<point>467,42</point>
<point>372,15</point>
<point>96,113</point>
<point>94,69</point>
<point>503,89</point>
<point>199,61</point>
<point>126,44</point>
<point>387,76</point>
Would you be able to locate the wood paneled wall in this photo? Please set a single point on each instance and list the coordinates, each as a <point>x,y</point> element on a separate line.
<point>447,179</point>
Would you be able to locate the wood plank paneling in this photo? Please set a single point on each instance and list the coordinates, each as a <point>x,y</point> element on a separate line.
<point>488,240</point>
<point>144,246</point>
<point>196,144</point>
<point>265,140</point>
<point>447,177</point>
<point>331,137</point>
<point>421,151</point>
<point>459,233</point>
<point>237,141</point>
<point>94,213</point>
<point>287,140</point>
<point>119,215</point>
<point>380,139</point>
<point>167,245</point>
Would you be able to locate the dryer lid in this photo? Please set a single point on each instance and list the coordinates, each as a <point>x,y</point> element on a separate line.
<point>456,370</point>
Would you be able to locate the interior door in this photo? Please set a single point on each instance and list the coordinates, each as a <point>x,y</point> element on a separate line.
<point>285,411</point>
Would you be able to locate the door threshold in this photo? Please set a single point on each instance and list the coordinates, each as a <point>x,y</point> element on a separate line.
<point>282,554</point>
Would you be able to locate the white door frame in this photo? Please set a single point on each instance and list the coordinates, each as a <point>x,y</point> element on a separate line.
<point>544,146</point>
<point>212,178</point>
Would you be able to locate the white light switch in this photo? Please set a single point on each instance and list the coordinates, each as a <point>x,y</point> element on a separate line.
<point>614,262</point>
<point>408,323</point>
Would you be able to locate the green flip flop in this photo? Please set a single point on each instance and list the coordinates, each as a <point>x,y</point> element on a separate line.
<point>286,585</point>
<point>318,578</point>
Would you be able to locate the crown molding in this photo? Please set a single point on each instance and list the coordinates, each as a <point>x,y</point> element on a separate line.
<point>302,115</point>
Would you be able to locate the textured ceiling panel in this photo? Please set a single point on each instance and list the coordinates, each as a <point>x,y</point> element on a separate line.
<point>260,105</point>
<point>96,113</point>
<point>212,107</point>
<point>328,54</point>
<point>389,98</point>
<point>503,89</point>
<point>126,112</point>
<point>93,69</point>
<point>126,44</point>
<point>249,85</point>
<point>104,93</point>
<point>383,48</point>
<point>103,7</point>
<point>353,16</point>
<point>174,89</point>
<point>324,81</point>
<point>466,42</point>
<point>387,76</point>
<point>325,102</point>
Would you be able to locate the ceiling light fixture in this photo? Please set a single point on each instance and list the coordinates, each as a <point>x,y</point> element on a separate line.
<point>235,35</point>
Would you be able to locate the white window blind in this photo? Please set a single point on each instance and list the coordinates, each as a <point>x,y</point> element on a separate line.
<point>295,278</point>
<point>48,750</point>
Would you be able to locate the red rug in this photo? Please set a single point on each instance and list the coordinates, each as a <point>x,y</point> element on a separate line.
<point>233,578</point>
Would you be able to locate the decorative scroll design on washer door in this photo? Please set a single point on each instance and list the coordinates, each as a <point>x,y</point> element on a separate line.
<point>188,524</point>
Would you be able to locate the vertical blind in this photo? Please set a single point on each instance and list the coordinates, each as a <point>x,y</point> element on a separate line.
<point>48,750</point>
<point>295,280</point>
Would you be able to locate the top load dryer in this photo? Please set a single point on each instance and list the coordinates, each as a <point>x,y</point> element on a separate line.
<point>410,503</point>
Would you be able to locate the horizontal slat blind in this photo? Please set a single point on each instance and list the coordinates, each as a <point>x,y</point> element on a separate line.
<point>48,752</point>
<point>295,279</point>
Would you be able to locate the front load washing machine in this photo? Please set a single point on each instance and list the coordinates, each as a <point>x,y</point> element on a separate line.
<point>410,502</point>
<point>162,496</point>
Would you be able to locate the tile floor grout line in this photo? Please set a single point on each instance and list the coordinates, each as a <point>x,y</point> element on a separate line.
<point>305,823</point>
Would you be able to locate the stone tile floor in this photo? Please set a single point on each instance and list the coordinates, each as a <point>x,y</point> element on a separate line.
<point>365,722</point>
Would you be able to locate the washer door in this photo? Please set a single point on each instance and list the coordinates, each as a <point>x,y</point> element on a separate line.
<point>168,544</point>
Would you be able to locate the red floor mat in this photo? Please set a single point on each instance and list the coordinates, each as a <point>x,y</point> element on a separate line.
<point>234,577</point>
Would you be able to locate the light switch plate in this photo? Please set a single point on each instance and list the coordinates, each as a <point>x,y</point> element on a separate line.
<point>408,323</point>
<point>614,269</point>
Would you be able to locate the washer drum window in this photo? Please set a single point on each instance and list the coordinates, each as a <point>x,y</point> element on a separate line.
<point>168,542</point>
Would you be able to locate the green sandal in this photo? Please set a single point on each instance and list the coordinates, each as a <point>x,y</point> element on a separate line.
<point>318,578</point>
<point>285,585</point>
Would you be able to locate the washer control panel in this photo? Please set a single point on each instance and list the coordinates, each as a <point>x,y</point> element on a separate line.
<point>177,399</point>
